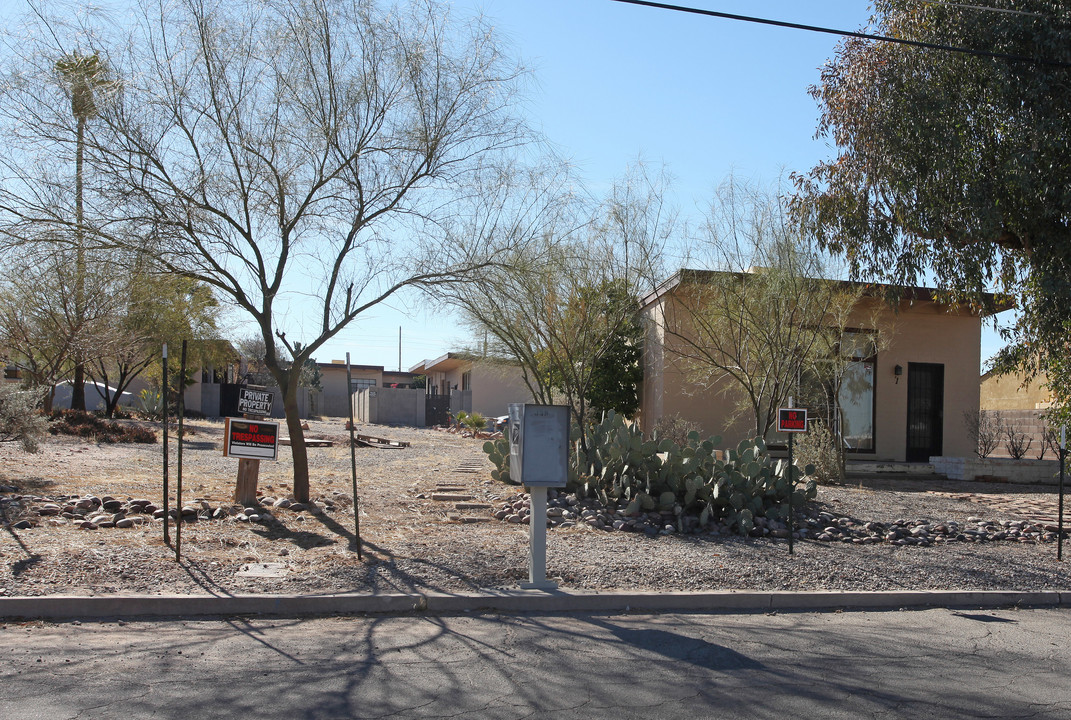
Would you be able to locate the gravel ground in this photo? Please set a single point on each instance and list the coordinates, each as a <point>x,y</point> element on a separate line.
<point>413,542</point>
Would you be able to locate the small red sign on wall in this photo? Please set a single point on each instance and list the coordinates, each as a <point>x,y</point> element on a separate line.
<point>792,420</point>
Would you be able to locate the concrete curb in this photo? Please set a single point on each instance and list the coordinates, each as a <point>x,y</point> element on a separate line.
<point>528,601</point>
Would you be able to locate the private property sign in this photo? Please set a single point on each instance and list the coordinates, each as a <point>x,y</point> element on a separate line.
<point>251,439</point>
<point>254,402</point>
<point>791,420</point>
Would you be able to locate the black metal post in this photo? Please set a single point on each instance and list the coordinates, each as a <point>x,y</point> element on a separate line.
<point>178,469</point>
<point>791,492</point>
<point>167,530</point>
<point>353,458</point>
<point>1060,521</point>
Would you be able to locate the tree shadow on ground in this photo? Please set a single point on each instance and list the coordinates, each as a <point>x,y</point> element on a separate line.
<point>895,483</point>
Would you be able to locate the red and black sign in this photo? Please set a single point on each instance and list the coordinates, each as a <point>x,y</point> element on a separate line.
<point>252,439</point>
<point>791,420</point>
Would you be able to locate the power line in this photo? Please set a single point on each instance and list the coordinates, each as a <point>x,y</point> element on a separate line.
<point>846,33</point>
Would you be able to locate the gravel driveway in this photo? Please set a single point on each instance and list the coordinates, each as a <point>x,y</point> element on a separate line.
<point>414,542</point>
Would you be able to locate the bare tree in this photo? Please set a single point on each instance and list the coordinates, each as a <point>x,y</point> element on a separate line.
<point>985,428</point>
<point>765,316</point>
<point>306,159</point>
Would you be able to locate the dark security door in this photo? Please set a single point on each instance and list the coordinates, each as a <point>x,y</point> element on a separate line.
<point>436,410</point>
<point>925,411</point>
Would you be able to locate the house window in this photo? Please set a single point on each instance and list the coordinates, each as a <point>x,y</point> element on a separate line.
<point>856,400</point>
<point>844,402</point>
<point>357,384</point>
<point>855,394</point>
<point>466,380</point>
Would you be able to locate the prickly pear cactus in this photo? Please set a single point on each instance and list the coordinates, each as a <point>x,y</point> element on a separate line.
<point>498,453</point>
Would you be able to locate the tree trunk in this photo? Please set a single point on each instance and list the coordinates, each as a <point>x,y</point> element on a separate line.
<point>297,439</point>
<point>78,388</point>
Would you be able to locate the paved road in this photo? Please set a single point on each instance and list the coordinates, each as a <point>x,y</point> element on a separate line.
<point>916,664</point>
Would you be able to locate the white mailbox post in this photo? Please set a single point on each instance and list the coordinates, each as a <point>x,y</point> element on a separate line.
<point>539,458</point>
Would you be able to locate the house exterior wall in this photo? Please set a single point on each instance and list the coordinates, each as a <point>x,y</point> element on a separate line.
<point>922,332</point>
<point>491,386</point>
<point>335,396</point>
<point>495,386</point>
<point>927,333</point>
<point>1012,392</point>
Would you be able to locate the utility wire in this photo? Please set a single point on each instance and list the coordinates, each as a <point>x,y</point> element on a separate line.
<point>847,33</point>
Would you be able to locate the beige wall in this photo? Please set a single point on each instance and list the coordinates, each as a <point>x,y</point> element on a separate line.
<point>335,395</point>
<point>928,333</point>
<point>923,332</point>
<point>495,386</point>
<point>1012,392</point>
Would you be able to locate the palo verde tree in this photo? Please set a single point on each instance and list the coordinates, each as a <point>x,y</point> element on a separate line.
<point>304,158</point>
<point>43,324</point>
<point>956,164</point>
<point>565,302</point>
<point>151,309</point>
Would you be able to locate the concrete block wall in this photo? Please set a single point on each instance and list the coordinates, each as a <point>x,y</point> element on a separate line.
<point>1019,472</point>
<point>1032,424</point>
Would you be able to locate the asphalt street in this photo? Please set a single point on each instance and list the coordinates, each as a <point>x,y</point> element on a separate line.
<point>892,664</point>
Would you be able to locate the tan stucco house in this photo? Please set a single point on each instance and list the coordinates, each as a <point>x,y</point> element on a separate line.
<point>915,389</point>
<point>474,383</point>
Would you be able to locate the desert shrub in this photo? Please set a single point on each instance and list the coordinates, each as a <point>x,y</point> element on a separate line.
<point>151,403</point>
<point>1050,439</point>
<point>675,428</point>
<point>818,447</point>
<point>474,422</point>
<point>622,468</point>
<point>1016,442</point>
<point>985,428</point>
<point>20,420</point>
<point>90,427</point>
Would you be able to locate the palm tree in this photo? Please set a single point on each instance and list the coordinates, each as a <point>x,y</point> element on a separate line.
<point>83,75</point>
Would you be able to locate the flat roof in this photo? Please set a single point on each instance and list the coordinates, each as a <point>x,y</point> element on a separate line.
<point>993,303</point>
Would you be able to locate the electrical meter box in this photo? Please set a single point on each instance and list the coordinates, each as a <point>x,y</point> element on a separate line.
<point>539,444</point>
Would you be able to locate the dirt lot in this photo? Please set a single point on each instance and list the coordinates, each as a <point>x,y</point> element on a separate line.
<point>415,542</point>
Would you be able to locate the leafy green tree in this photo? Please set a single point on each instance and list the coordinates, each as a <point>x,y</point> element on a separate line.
<point>616,377</point>
<point>955,164</point>
<point>149,310</point>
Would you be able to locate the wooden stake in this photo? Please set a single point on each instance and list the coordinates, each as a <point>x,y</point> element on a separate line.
<point>245,490</point>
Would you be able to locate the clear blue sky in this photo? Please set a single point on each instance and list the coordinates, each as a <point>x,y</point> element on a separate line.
<point>613,82</point>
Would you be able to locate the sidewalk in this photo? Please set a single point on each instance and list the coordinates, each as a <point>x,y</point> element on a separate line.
<point>513,601</point>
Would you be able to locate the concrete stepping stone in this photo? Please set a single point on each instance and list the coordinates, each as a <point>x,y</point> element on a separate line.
<point>451,497</point>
